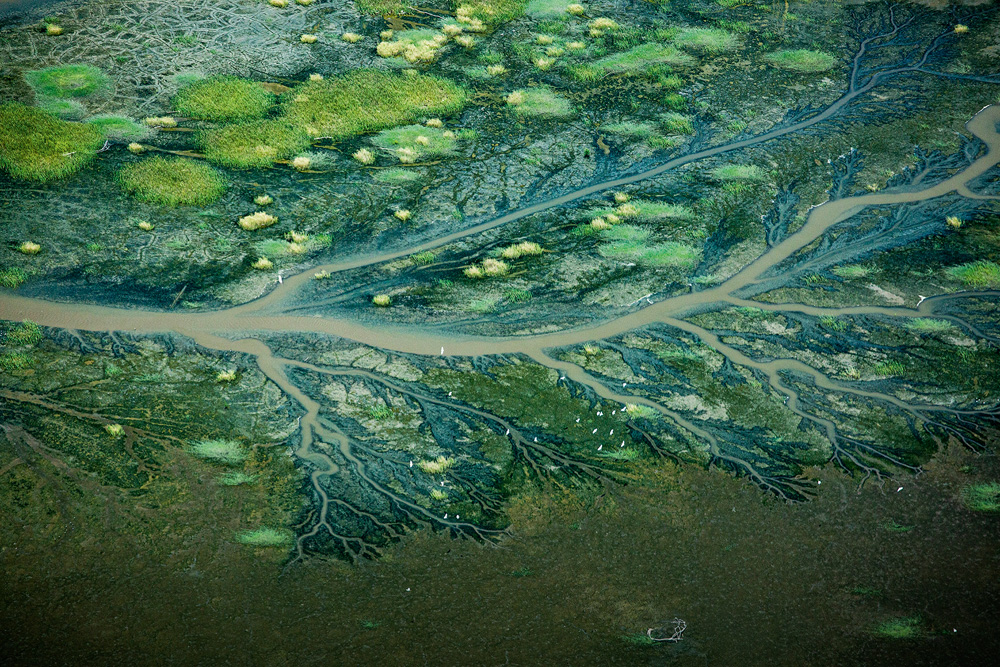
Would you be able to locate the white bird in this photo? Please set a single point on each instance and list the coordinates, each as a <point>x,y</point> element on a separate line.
<point>623,443</point>
<point>442,483</point>
<point>614,412</point>
<point>593,432</point>
<point>411,464</point>
<point>458,516</point>
<point>899,489</point>
<point>577,420</point>
<point>279,278</point>
<point>508,432</point>
<point>921,300</point>
<point>446,516</point>
<point>600,448</point>
<point>624,383</point>
<point>536,438</point>
<point>612,432</point>
<point>449,393</point>
<point>600,414</point>
<point>442,350</point>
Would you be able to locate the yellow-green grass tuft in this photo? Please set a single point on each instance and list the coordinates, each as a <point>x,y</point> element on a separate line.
<point>802,60</point>
<point>266,537</point>
<point>380,7</point>
<point>984,497</point>
<point>227,452</point>
<point>224,98</point>
<point>382,300</point>
<point>488,12</point>
<point>172,181</point>
<point>707,40</point>
<point>37,146</point>
<point>253,144</point>
<point>368,101</point>
<point>436,466</point>
<point>412,143</point>
<point>977,275</point>
<point>67,81</point>
<point>642,57</point>
<point>255,221</point>
<point>12,277</point>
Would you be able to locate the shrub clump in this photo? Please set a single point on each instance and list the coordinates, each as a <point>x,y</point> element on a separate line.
<point>255,221</point>
<point>224,98</point>
<point>37,146</point>
<point>368,101</point>
<point>541,102</point>
<point>253,144</point>
<point>802,60</point>
<point>172,181</point>
<point>67,81</point>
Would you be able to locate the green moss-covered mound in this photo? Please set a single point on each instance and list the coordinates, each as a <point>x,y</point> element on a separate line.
<point>540,102</point>
<point>224,98</point>
<point>172,181</point>
<point>120,127</point>
<point>257,143</point>
<point>37,146</point>
<point>802,60</point>
<point>67,81</point>
<point>368,101</point>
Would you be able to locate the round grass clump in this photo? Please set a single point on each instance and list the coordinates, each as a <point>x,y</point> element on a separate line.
<point>541,102</point>
<point>224,98</point>
<point>802,60</point>
<point>707,40</point>
<point>67,81</point>
<point>172,181</point>
<point>37,146</point>
<point>412,143</point>
<point>120,128</point>
<point>254,144</point>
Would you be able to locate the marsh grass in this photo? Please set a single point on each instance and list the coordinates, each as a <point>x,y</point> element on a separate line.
<point>978,275</point>
<point>266,537</point>
<point>224,98</point>
<point>65,109</point>
<point>236,478</point>
<point>396,176</point>
<point>540,102</point>
<point>642,57</point>
<point>436,466</point>
<point>740,172</point>
<point>37,146</point>
<point>12,277</point>
<point>899,628</point>
<point>676,123</point>
<point>67,81</point>
<point>172,181</point>
<point>15,361</point>
<point>927,325</point>
<point>369,101</point>
<point>252,144</point>
<point>413,143</point>
<point>227,452</point>
<point>25,333</point>
<point>712,41</point>
<point>984,497</point>
<point>802,60</point>
<point>489,12</point>
<point>120,128</point>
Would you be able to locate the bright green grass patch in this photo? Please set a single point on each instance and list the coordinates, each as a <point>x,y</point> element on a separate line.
<point>648,210</point>
<point>547,8</point>
<point>982,497</point>
<point>380,7</point>
<point>676,123</point>
<point>63,108</point>
<point>368,101</point>
<point>491,12</point>
<point>67,81</point>
<point>236,479</point>
<point>412,143</point>
<point>630,233</point>
<point>172,181</point>
<point>739,172</point>
<point>802,60</point>
<point>120,128</point>
<point>641,57</point>
<point>229,452</point>
<point>707,40</point>
<point>927,325</point>
<point>852,271</point>
<point>257,143</point>
<point>224,98</point>
<point>899,628</point>
<point>14,361</point>
<point>630,129</point>
<point>667,255</point>
<point>25,333</point>
<point>540,102</point>
<point>396,176</point>
<point>12,278</point>
<point>619,453</point>
<point>978,275</point>
<point>266,537</point>
<point>37,146</point>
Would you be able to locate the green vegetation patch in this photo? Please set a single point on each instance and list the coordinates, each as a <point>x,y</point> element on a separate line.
<point>120,128</point>
<point>396,176</point>
<point>668,255</point>
<point>37,146</point>
<point>630,129</point>
<point>380,7</point>
<point>65,109</point>
<point>237,478</point>
<point>802,60</point>
<point>540,102</point>
<point>25,333</point>
<point>12,277</point>
<point>229,452</point>
<point>899,628</point>
<point>253,144</point>
<point>368,101</point>
<point>224,98</point>
<point>978,275</point>
<point>739,172</point>
<point>983,497</point>
<point>67,81</point>
<point>490,12</point>
<point>927,325</point>
<point>641,57</point>
<point>266,537</point>
<point>547,8</point>
<point>707,40</point>
<point>412,143</point>
<point>676,123</point>
<point>172,181</point>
